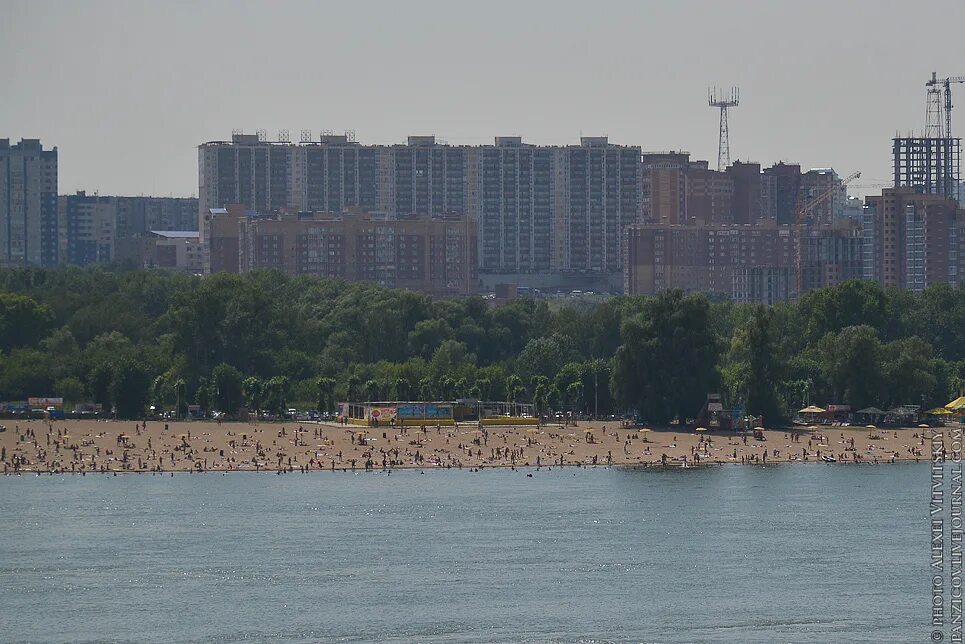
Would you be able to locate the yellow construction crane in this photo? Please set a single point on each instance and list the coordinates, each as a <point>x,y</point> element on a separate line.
<point>802,212</point>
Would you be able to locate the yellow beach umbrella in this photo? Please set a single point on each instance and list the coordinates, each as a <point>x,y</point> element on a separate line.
<point>923,426</point>
<point>812,409</point>
<point>701,429</point>
<point>870,427</point>
<point>956,405</point>
<point>644,429</point>
<point>938,411</point>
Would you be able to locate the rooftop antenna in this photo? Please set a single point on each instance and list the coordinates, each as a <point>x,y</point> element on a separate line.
<point>717,98</point>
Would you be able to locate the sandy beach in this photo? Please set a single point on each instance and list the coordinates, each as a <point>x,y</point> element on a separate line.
<point>87,446</point>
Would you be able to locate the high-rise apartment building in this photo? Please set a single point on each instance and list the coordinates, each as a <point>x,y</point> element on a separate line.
<point>540,209</point>
<point>663,187</point>
<point>780,187</point>
<point>824,194</point>
<point>511,194</point>
<point>247,170</point>
<point>747,192</point>
<point>710,195</point>
<point>598,188</point>
<point>912,240</point>
<point>28,204</point>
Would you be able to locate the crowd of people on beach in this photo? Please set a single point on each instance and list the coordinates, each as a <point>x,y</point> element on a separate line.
<point>115,447</point>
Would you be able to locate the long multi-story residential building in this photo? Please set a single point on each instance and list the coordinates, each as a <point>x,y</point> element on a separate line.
<point>913,240</point>
<point>540,209</point>
<point>102,228</point>
<point>511,193</point>
<point>435,255</point>
<point>745,262</point>
<point>88,229</point>
<point>28,204</point>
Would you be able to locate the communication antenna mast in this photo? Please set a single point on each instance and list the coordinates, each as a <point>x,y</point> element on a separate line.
<point>717,98</point>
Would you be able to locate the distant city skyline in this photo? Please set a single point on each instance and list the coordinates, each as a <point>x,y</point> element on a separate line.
<point>128,90</point>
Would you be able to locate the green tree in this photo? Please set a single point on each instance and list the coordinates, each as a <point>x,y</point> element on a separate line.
<point>251,390</point>
<point>180,398</point>
<point>574,396</point>
<point>910,373</point>
<point>23,321</point>
<point>514,387</point>
<point>402,389</point>
<point>159,391</point>
<point>426,389</point>
<point>667,362</point>
<point>276,394</point>
<point>99,384</point>
<point>546,356</point>
<point>326,393</point>
<point>71,389</point>
<point>757,356</point>
<point>850,363</point>
<point>129,389</point>
<point>353,387</point>
<point>226,387</point>
<point>202,395</point>
<point>539,398</point>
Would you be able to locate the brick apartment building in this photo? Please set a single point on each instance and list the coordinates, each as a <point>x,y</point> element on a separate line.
<point>743,262</point>
<point>435,255</point>
<point>913,240</point>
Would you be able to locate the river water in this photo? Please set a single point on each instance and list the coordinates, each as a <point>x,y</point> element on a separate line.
<point>793,553</point>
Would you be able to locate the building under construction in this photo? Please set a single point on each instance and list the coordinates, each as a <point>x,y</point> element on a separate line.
<point>929,165</point>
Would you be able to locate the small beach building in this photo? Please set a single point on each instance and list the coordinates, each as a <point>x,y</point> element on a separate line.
<point>389,413</point>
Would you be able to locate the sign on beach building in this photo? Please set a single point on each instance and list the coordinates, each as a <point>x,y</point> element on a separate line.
<point>43,403</point>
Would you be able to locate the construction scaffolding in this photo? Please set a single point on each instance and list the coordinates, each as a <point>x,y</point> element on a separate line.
<point>930,165</point>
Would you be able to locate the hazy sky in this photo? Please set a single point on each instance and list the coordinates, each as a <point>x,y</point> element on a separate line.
<point>128,89</point>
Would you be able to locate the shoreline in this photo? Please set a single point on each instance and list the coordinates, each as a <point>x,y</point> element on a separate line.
<point>124,447</point>
<point>473,470</point>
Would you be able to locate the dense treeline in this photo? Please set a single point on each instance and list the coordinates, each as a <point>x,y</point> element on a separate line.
<point>134,338</point>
